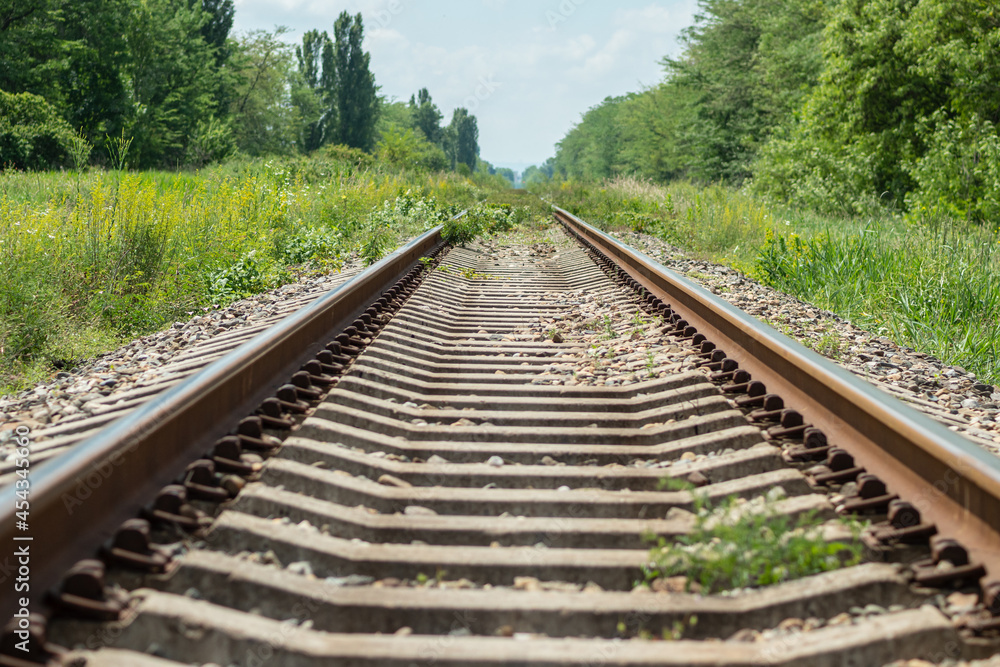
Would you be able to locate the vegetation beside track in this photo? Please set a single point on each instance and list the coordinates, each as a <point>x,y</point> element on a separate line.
<point>89,259</point>
<point>926,282</point>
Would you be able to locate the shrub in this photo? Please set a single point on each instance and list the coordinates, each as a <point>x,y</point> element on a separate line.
<point>33,136</point>
<point>307,244</point>
<point>245,277</point>
<point>355,157</point>
<point>402,147</point>
<point>212,142</point>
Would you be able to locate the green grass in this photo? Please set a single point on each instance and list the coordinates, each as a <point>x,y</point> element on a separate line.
<point>927,283</point>
<point>88,260</point>
<point>747,544</point>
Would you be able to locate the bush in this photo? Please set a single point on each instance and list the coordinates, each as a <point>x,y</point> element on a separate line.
<point>355,157</point>
<point>484,218</point>
<point>244,278</point>
<point>33,136</point>
<point>402,147</point>
<point>959,175</point>
<point>212,142</point>
<point>307,244</point>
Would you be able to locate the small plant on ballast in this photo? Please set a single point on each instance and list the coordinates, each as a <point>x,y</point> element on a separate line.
<point>674,484</point>
<point>376,243</point>
<point>741,543</point>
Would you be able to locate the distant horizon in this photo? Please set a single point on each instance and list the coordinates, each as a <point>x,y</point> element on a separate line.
<point>528,78</point>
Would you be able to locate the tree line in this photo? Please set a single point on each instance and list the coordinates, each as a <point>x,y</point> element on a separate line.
<point>164,84</point>
<point>844,106</point>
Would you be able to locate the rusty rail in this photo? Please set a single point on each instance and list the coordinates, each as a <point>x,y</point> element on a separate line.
<point>79,499</point>
<point>953,483</point>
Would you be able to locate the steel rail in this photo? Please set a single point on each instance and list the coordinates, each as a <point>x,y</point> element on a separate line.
<point>952,482</point>
<point>80,498</point>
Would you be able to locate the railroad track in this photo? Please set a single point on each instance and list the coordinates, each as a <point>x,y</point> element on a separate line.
<point>439,468</point>
<point>194,352</point>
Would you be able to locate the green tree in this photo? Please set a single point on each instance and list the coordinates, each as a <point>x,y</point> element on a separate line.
<point>219,16</point>
<point>355,94</point>
<point>591,149</point>
<point>74,55</point>
<point>507,173</point>
<point>426,116</point>
<point>655,139</point>
<point>173,77</point>
<point>462,139</point>
<point>262,116</point>
<point>745,67</point>
<point>539,174</point>
<point>93,83</point>
<point>905,110</point>
<point>404,147</point>
<point>313,90</point>
<point>394,115</point>
<point>30,48</point>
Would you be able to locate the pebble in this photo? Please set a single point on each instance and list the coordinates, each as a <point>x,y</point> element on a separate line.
<point>350,580</point>
<point>791,624</point>
<point>841,619</point>
<point>416,510</point>
<point>301,567</point>
<point>680,514</point>
<point>390,480</point>
<point>527,584</point>
<point>960,602</point>
<point>677,584</point>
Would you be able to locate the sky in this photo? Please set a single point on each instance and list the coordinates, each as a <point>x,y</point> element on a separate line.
<point>527,69</point>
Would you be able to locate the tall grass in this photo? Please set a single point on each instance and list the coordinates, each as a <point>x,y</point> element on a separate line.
<point>934,289</point>
<point>931,284</point>
<point>90,259</point>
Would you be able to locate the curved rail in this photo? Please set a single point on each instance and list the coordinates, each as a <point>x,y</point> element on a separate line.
<point>77,500</point>
<point>953,483</point>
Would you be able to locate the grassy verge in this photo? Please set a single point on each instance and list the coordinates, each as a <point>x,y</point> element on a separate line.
<point>88,260</point>
<point>930,284</point>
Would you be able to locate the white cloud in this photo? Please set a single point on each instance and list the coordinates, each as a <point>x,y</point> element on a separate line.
<point>606,59</point>
<point>652,19</point>
<point>382,38</point>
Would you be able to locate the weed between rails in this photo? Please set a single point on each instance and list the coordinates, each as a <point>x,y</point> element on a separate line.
<point>747,543</point>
